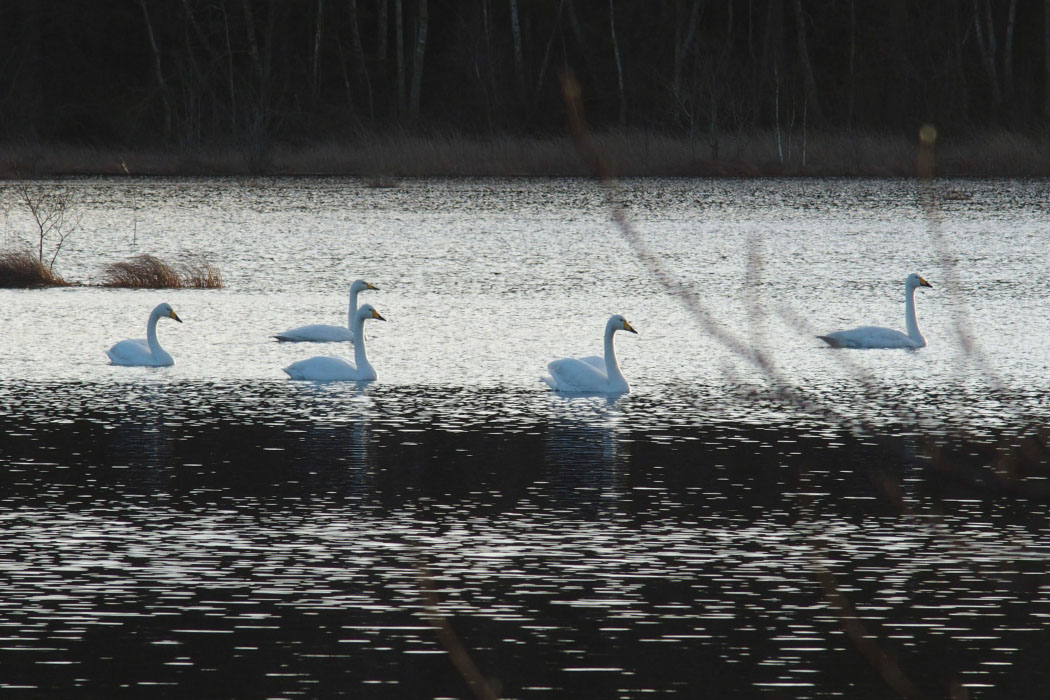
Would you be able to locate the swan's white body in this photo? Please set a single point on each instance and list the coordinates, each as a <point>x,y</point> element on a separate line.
<point>879,337</point>
<point>336,369</point>
<point>321,333</point>
<point>586,375</point>
<point>135,352</point>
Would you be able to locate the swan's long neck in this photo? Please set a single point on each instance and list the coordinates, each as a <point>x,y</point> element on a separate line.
<point>612,367</point>
<point>151,333</point>
<point>353,308</point>
<point>360,356</point>
<point>909,317</point>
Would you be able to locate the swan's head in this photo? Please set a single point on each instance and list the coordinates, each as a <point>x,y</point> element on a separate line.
<point>619,323</point>
<point>914,280</point>
<point>166,310</point>
<point>361,285</point>
<point>369,311</point>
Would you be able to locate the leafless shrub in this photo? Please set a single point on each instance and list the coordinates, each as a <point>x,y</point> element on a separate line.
<point>142,272</point>
<point>198,273</point>
<point>149,272</point>
<point>56,217</point>
<point>20,269</point>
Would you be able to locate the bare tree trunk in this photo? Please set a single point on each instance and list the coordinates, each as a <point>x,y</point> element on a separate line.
<point>253,44</point>
<point>960,32</point>
<point>315,63</point>
<point>216,59</point>
<point>718,97</point>
<point>852,64</point>
<point>771,59</point>
<point>258,110</point>
<point>267,55</point>
<point>519,61</point>
<point>776,111</point>
<point>619,65</point>
<point>1008,51</point>
<point>31,106</point>
<point>229,70</point>
<point>805,134</point>
<point>191,82</point>
<point>345,74</point>
<point>550,42</point>
<point>493,102</point>
<point>807,66</point>
<point>577,32</point>
<point>359,56</point>
<point>399,50</point>
<point>158,74</point>
<point>1046,58</point>
<point>382,30</point>
<point>417,60</point>
<point>681,48</point>
<point>985,29</point>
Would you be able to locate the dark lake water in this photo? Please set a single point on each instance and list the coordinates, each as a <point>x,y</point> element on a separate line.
<point>860,524</point>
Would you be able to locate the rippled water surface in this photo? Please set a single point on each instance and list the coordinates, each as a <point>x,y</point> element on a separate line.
<point>759,516</point>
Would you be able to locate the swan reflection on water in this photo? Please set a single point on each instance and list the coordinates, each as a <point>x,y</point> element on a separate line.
<point>339,451</point>
<point>583,451</point>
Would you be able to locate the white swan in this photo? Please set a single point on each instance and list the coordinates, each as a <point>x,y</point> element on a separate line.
<point>148,352</point>
<point>879,337</point>
<point>321,333</point>
<point>593,374</point>
<point>335,369</point>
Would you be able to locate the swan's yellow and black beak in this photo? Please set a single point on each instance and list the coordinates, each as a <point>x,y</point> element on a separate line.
<point>172,314</point>
<point>369,285</point>
<point>376,316</point>
<point>627,327</point>
<point>924,283</point>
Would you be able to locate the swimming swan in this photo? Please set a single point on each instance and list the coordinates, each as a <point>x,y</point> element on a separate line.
<point>879,337</point>
<point>336,369</point>
<point>592,374</point>
<point>321,333</point>
<point>148,352</point>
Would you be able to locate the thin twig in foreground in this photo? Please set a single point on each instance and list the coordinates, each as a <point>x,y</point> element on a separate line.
<point>450,640</point>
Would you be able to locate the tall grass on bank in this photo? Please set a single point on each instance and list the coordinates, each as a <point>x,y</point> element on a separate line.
<point>149,272</point>
<point>642,153</point>
<point>22,269</point>
<point>385,156</point>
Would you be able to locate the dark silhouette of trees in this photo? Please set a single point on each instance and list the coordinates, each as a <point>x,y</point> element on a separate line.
<point>249,73</point>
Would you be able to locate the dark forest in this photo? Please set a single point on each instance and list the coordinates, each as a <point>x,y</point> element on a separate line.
<point>191,74</point>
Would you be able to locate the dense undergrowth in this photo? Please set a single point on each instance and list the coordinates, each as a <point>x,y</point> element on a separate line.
<point>638,153</point>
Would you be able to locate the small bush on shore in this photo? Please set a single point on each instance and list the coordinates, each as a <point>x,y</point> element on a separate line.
<point>20,268</point>
<point>150,272</point>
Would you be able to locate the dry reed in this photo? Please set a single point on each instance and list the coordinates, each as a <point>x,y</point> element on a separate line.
<point>149,272</point>
<point>385,156</point>
<point>198,273</point>
<point>20,269</point>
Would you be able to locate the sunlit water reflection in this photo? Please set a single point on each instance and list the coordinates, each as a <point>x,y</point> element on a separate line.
<point>214,530</point>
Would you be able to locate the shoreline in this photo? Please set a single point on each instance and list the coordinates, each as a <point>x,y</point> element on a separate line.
<point>631,154</point>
